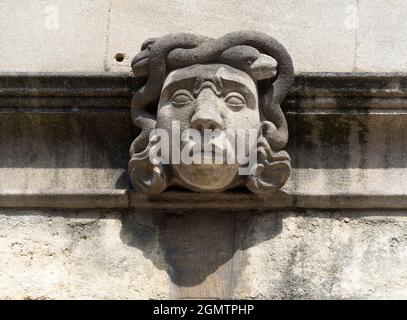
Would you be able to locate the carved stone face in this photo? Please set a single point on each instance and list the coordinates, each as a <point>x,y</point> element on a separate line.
<point>213,96</point>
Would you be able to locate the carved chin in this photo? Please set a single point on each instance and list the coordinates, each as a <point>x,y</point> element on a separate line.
<point>206,177</point>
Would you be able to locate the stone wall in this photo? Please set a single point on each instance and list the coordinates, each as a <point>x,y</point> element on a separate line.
<point>86,35</point>
<point>72,227</point>
<point>59,254</point>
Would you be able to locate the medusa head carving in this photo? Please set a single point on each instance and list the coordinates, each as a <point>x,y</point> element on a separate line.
<point>209,113</point>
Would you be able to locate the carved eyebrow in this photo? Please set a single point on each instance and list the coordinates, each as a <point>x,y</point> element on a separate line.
<point>186,83</point>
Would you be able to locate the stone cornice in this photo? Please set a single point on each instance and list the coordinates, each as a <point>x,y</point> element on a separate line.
<point>311,93</point>
<point>347,133</point>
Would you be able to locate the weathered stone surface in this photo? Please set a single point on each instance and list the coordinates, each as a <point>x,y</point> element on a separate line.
<point>53,36</point>
<point>63,151</point>
<point>382,28</point>
<point>323,35</point>
<point>57,255</point>
<point>342,255</point>
<point>314,32</point>
<point>109,254</point>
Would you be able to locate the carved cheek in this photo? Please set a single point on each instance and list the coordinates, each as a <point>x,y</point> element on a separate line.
<point>244,119</point>
<point>227,116</point>
<point>251,119</point>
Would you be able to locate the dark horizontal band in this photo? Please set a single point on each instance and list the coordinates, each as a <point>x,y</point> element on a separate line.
<point>233,200</point>
<point>312,92</point>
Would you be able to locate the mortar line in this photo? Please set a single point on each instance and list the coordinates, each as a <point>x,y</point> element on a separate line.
<point>106,57</point>
<point>356,38</point>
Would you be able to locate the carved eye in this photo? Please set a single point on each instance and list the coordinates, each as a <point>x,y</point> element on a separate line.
<point>181,97</point>
<point>235,101</point>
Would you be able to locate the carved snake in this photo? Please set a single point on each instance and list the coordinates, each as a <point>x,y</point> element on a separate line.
<point>242,49</point>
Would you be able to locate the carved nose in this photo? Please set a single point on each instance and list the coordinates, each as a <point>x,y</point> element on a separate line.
<point>207,115</point>
<point>201,123</point>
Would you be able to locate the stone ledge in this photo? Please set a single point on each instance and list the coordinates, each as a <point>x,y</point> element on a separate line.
<point>234,200</point>
<point>348,153</point>
<point>98,92</point>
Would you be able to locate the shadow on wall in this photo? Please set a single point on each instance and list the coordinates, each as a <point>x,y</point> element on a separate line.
<point>191,246</point>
